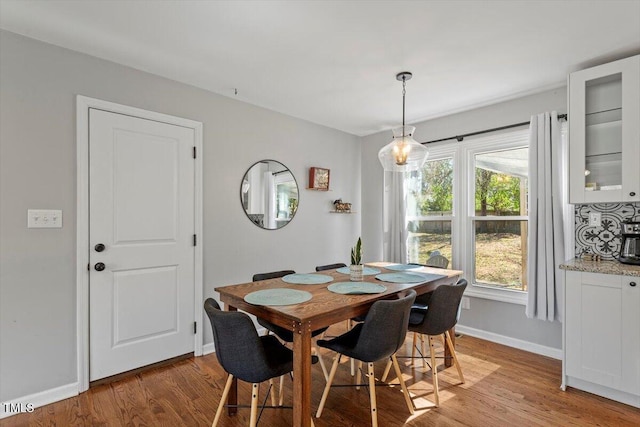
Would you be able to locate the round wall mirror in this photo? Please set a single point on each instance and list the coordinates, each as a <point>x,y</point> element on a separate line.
<point>269,194</point>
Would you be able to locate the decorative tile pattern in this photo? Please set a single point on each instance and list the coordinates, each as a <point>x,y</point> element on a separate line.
<point>606,239</point>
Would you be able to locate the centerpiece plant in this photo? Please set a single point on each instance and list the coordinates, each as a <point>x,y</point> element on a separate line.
<point>356,267</point>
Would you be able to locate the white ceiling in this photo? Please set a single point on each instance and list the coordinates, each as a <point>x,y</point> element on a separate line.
<point>334,62</point>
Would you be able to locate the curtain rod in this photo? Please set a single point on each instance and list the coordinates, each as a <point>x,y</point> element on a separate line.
<point>459,138</point>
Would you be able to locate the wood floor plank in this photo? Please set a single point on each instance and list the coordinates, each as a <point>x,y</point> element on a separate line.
<point>503,387</point>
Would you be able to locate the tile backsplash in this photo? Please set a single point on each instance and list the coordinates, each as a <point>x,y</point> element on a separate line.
<point>604,240</point>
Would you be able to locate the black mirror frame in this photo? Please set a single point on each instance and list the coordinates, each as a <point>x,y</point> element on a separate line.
<point>255,220</point>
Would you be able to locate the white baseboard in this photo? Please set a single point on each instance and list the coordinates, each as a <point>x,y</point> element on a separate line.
<point>32,401</point>
<point>554,353</point>
<point>208,349</point>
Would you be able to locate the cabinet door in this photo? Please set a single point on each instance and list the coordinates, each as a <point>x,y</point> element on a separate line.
<point>604,133</point>
<point>630,328</point>
<point>593,331</point>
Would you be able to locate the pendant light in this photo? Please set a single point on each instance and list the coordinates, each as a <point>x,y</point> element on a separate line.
<point>403,153</point>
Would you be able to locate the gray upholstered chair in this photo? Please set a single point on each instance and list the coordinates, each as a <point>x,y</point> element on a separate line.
<point>330,266</point>
<point>437,261</point>
<point>245,355</point>
<point>437,319</point>
<point>351,321</point>
<point>282,333</point>
<point>271,275</point>
<point>378,337</point>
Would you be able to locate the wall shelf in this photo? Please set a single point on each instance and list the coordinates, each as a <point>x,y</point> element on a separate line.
<point>340,212</point>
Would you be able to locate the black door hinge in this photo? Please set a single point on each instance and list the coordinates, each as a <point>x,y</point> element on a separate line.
<point>195,327</point>
<point>194,152</point>
<point>88,267</point>
<point>194,240</point>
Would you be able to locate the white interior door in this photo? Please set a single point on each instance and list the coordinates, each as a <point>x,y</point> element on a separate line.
<point>141,209</point>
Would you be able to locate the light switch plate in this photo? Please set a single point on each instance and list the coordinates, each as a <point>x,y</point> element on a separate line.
<point>44,218</point>
<point>595,219</point>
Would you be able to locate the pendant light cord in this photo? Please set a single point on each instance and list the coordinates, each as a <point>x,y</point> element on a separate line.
<point>404,92</point>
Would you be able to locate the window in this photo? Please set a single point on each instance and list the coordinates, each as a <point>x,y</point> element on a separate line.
<point>500,218</point>
<point>430,210</point>
<point>469,203</point>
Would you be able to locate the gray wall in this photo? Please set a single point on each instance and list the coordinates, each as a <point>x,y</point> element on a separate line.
<point>491,316</point>
<point>38,86</point>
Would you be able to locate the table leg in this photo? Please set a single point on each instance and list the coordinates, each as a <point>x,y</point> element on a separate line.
<point>448,357</point>
<point>232,397</point>
<point>302,376</point>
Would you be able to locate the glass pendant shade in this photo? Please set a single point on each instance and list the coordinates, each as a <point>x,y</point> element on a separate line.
<point>403,154</point>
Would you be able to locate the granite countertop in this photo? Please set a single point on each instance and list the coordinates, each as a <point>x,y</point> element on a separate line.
<point>605,267</point>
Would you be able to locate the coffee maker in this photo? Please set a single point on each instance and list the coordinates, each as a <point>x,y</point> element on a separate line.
<point>630,248</point>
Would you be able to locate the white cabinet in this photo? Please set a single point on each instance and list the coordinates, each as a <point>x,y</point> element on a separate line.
<point>604,133</point>
<point>601,333</point>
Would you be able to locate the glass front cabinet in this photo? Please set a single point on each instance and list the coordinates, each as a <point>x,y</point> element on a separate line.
<point>604,133</point>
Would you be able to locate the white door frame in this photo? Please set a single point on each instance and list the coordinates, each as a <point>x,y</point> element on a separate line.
<point>83,104</point>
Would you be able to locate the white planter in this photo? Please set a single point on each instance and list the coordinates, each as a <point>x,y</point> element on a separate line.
<point>356,272</point>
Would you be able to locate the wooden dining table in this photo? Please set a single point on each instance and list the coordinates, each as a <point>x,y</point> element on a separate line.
<point>324,309</point>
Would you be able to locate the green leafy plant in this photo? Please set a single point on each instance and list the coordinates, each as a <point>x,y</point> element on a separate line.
<point>356,253</point>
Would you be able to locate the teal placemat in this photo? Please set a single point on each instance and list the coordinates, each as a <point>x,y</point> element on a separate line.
<point>356,288</point>
<point>366,271</point>
<point>428,277</point>
<point>277,296</point>
<point>402,267</point>
<point>307,279</point>
<point>402,277</point>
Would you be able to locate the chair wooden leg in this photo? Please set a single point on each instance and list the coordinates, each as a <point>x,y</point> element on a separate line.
<point>223,399</point>
<point>423,350</point>
<point>405,391</point>
<point>386,371</point>
<point>254,405</point>
<point>372,395</point>
<point>413,347</point>
<point>352,362</point>
<point>434,371</point>
<point>324,368</point>
<point>453,354</point>
<point>358,375</point>
<point>281,391</point>
<point>327,387</point>
<point>272,392</point>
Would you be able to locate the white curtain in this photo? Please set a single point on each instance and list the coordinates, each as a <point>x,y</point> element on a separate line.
<point>547,210</point>
<point>395,232</point>
<point>269,200</point>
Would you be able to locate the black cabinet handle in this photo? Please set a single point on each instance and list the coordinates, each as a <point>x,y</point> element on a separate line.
<point>99,247</point>
<point>99,266</point>
<point>633,193</point>
<point>632,283</point>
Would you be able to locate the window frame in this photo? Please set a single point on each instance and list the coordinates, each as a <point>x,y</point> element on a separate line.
<point>507,140</point>
<point>442,152</point>
<point>462,221</point>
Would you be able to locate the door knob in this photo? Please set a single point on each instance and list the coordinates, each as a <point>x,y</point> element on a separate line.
<point>99,247</point>
<point>632,283</point>
<point>99,266</point>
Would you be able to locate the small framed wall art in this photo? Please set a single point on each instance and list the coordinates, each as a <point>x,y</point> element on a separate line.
<point>318,179</point>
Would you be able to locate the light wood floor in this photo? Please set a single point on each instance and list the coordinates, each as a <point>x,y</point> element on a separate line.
<point>504,387</point>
